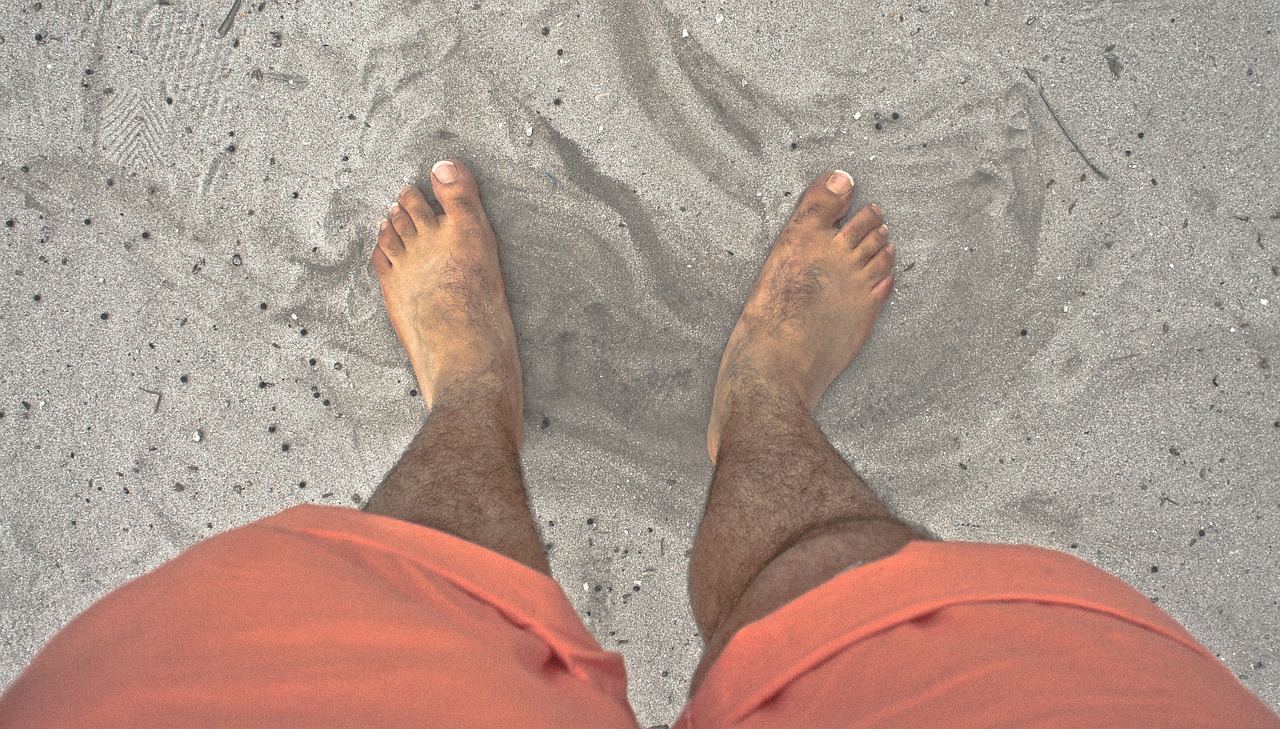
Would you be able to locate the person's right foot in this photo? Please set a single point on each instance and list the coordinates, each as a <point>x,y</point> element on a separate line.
<point>814,304</point>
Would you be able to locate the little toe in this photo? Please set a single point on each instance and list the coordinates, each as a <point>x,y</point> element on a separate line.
<point>884,287</point>
<point>871,244</point>
<point>864,221</point>
<point>402,223</point>
<point>389,241</point>
<point>456,190</point>
<point>826,200</point>
<point>420,212</point>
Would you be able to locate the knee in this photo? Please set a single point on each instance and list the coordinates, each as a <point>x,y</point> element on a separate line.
<point>803,563</point>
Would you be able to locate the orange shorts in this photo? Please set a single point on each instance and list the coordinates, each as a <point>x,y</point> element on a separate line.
<point>323,616</point>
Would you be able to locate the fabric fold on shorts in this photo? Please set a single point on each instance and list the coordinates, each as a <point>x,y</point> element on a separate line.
<point>527,598</point>
<point>327,617</point>
<point>906,610</point>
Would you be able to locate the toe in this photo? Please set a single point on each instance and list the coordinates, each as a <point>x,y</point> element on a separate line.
<point>871,244</point>
<point>456,189</point>
<point>826,200</point>
<point>864,221</point>
<point>881,265</point>
<point>415,203</point>
<point>389,241</point>
<point>884,287</point>
<point>402,223</point>
<point>381,263</point>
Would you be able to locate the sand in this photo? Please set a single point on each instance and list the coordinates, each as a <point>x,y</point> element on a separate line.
<point>1079,352</point>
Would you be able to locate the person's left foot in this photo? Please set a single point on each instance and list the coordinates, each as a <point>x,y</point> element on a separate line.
<point>817,298</point>
<point>445,296</point>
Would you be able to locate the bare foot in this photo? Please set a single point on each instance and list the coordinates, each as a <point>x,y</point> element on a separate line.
<point>445,297</point>
<point>813,307</point>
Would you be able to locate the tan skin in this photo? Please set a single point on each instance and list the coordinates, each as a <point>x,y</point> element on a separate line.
<point>784,512</point>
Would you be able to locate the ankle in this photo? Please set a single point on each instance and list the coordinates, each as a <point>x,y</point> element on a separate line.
<point>755,391</point>
<point>756,370</point>
<point>753,410</point>
<point>483,404</point>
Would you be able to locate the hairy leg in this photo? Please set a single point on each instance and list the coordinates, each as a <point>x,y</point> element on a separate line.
<point>461,475</point>
<point>785,512</point>
<point>443,289</point>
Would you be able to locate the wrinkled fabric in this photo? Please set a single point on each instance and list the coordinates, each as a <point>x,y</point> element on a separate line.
<point>329,617</point>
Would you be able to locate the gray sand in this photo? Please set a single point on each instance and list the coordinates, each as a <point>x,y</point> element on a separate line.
<point>1080,358</point>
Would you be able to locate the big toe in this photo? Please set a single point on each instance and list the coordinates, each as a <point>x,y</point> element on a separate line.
<point>826,200</point>
<point>456,190</point>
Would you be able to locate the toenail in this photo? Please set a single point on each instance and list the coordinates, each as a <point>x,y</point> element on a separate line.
<point>883,230</point>
<point>444,171</point>
<point>383,226</point>
<point>877,208</point>
<point>840,182</point>
<point>395,208</point>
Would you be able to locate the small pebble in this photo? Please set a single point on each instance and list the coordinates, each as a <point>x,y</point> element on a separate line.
<point>196,436</point>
